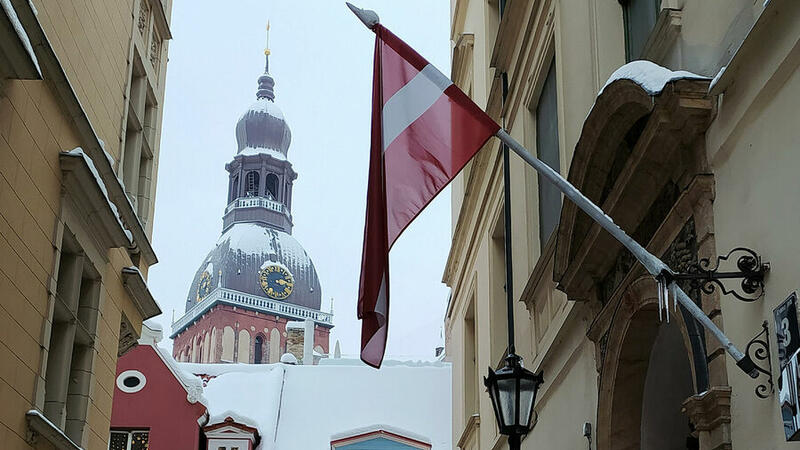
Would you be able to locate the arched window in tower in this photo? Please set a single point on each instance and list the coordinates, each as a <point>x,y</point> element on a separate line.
<point>251,184</point>
<point>234,193</point>
<point>271,183</point>
<point>258,349</point>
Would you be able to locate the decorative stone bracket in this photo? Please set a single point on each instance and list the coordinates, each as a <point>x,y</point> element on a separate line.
<point>710,413</point>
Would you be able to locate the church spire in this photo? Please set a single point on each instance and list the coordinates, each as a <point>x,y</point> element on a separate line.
<point>266,83</point>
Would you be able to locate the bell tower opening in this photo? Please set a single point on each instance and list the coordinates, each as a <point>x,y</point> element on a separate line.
<point>271,182</point>
<point>251,184</point>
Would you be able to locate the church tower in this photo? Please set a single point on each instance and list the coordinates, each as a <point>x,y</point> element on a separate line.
<point>256,295</point>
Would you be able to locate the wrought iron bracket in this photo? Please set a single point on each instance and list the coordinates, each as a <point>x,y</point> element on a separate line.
<point>751,271</point>
<point>756,354</point>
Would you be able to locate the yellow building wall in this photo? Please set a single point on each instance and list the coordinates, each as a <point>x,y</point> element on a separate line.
<point>92,41</point>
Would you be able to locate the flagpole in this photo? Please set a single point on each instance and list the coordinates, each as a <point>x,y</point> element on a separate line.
<point>654,265</point>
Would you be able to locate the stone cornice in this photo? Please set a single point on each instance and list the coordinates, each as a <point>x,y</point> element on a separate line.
<point>137,289</point>
<point>80,184</point>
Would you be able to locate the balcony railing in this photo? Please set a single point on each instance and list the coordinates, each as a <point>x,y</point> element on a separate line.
<point>254,302</point>
<point>257,202</point>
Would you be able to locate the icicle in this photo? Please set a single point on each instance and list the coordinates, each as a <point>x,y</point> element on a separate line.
<point>673,290</point>
<point>660,299</point>
<point>666,297</point>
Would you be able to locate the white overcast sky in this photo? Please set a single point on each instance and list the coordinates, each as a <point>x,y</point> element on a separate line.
<point>322,64</point>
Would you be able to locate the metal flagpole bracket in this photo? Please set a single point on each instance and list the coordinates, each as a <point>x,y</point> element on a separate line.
<point>757,351</point>
<point>751,271</point>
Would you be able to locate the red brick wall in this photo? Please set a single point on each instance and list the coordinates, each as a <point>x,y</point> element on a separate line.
<point>255,323</point>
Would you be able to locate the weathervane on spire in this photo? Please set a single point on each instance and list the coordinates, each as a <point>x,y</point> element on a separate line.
<point>266,49</point>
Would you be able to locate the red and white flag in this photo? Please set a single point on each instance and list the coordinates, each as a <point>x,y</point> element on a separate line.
<point>424,130</point>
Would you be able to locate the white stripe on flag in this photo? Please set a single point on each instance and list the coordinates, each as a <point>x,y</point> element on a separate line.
<point>411,101</point>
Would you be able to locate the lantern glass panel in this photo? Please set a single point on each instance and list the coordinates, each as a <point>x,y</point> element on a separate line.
<point>507,397</point>
<point>527,395</point>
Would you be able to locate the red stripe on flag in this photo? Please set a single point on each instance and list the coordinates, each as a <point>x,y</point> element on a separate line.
<point>397,72</point>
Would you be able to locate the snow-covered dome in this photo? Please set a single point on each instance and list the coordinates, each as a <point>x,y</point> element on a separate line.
<point>262,125</point>
<point>241,255</point>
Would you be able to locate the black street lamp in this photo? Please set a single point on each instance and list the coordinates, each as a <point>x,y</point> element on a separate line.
<point>513,391</point>
<point>512,388</point>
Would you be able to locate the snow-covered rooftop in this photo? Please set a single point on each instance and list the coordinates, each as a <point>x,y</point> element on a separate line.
<point>308,406</point>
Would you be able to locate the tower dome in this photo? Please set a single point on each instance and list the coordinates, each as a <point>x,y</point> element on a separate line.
<point>262,125</point>
<point>239,260</point>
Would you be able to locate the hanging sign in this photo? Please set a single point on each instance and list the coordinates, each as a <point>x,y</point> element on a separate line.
<point>787,329</point>
<point>788,343</point>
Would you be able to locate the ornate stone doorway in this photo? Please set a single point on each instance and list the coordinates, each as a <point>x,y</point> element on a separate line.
<point>646,376</point>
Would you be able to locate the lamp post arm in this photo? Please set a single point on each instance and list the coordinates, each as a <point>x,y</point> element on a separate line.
<point>654,265</point>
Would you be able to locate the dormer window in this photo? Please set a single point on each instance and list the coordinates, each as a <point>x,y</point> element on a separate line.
<point>251,184</point>
<point>271,186</point>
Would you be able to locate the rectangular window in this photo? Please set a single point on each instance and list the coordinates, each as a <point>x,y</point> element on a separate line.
<point>471,379</point>
<point>129,440</point>
<point>73,330</point>
<point>498,314</point>
<point>639,17</point>
<point>547,151</point>
<point>139,140</point>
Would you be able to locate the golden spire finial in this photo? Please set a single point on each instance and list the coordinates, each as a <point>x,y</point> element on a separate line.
<point>266,50</point>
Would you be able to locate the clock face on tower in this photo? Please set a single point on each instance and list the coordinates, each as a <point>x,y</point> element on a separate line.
<point>204,287</point>
<point>276,281</point>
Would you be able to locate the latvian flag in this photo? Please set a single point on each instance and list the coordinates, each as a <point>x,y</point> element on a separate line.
<point>424,130</point>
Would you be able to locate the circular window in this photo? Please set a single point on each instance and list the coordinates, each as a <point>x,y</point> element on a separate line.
<point>131,381</point>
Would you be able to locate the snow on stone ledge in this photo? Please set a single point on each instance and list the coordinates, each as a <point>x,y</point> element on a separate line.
<point>650,76</point>
<point>77,151</point>
<point>20,30</point>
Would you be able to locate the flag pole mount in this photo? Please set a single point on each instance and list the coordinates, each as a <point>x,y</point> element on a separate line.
<point>667,286</point>
<point>368,17</point>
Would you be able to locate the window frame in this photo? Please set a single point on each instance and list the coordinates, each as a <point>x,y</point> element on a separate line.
<point>129,433</point>
<point>539,143</point>
<point>626,27</point>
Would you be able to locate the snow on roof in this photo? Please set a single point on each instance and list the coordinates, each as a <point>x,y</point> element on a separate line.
<point>20,30</point>
<point>379,427</point>
<point>250,398</point>
<point>192,384</point>
<point>295,325</point>
<point>153,325</point>
<point>250,151</point>
<point>275,263</point>
<point>650,76</point>
<point>249,238</point>
<point>77,151</point>
<point>265,106</point>
<point>417,399</point>
<point>413,399</point>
